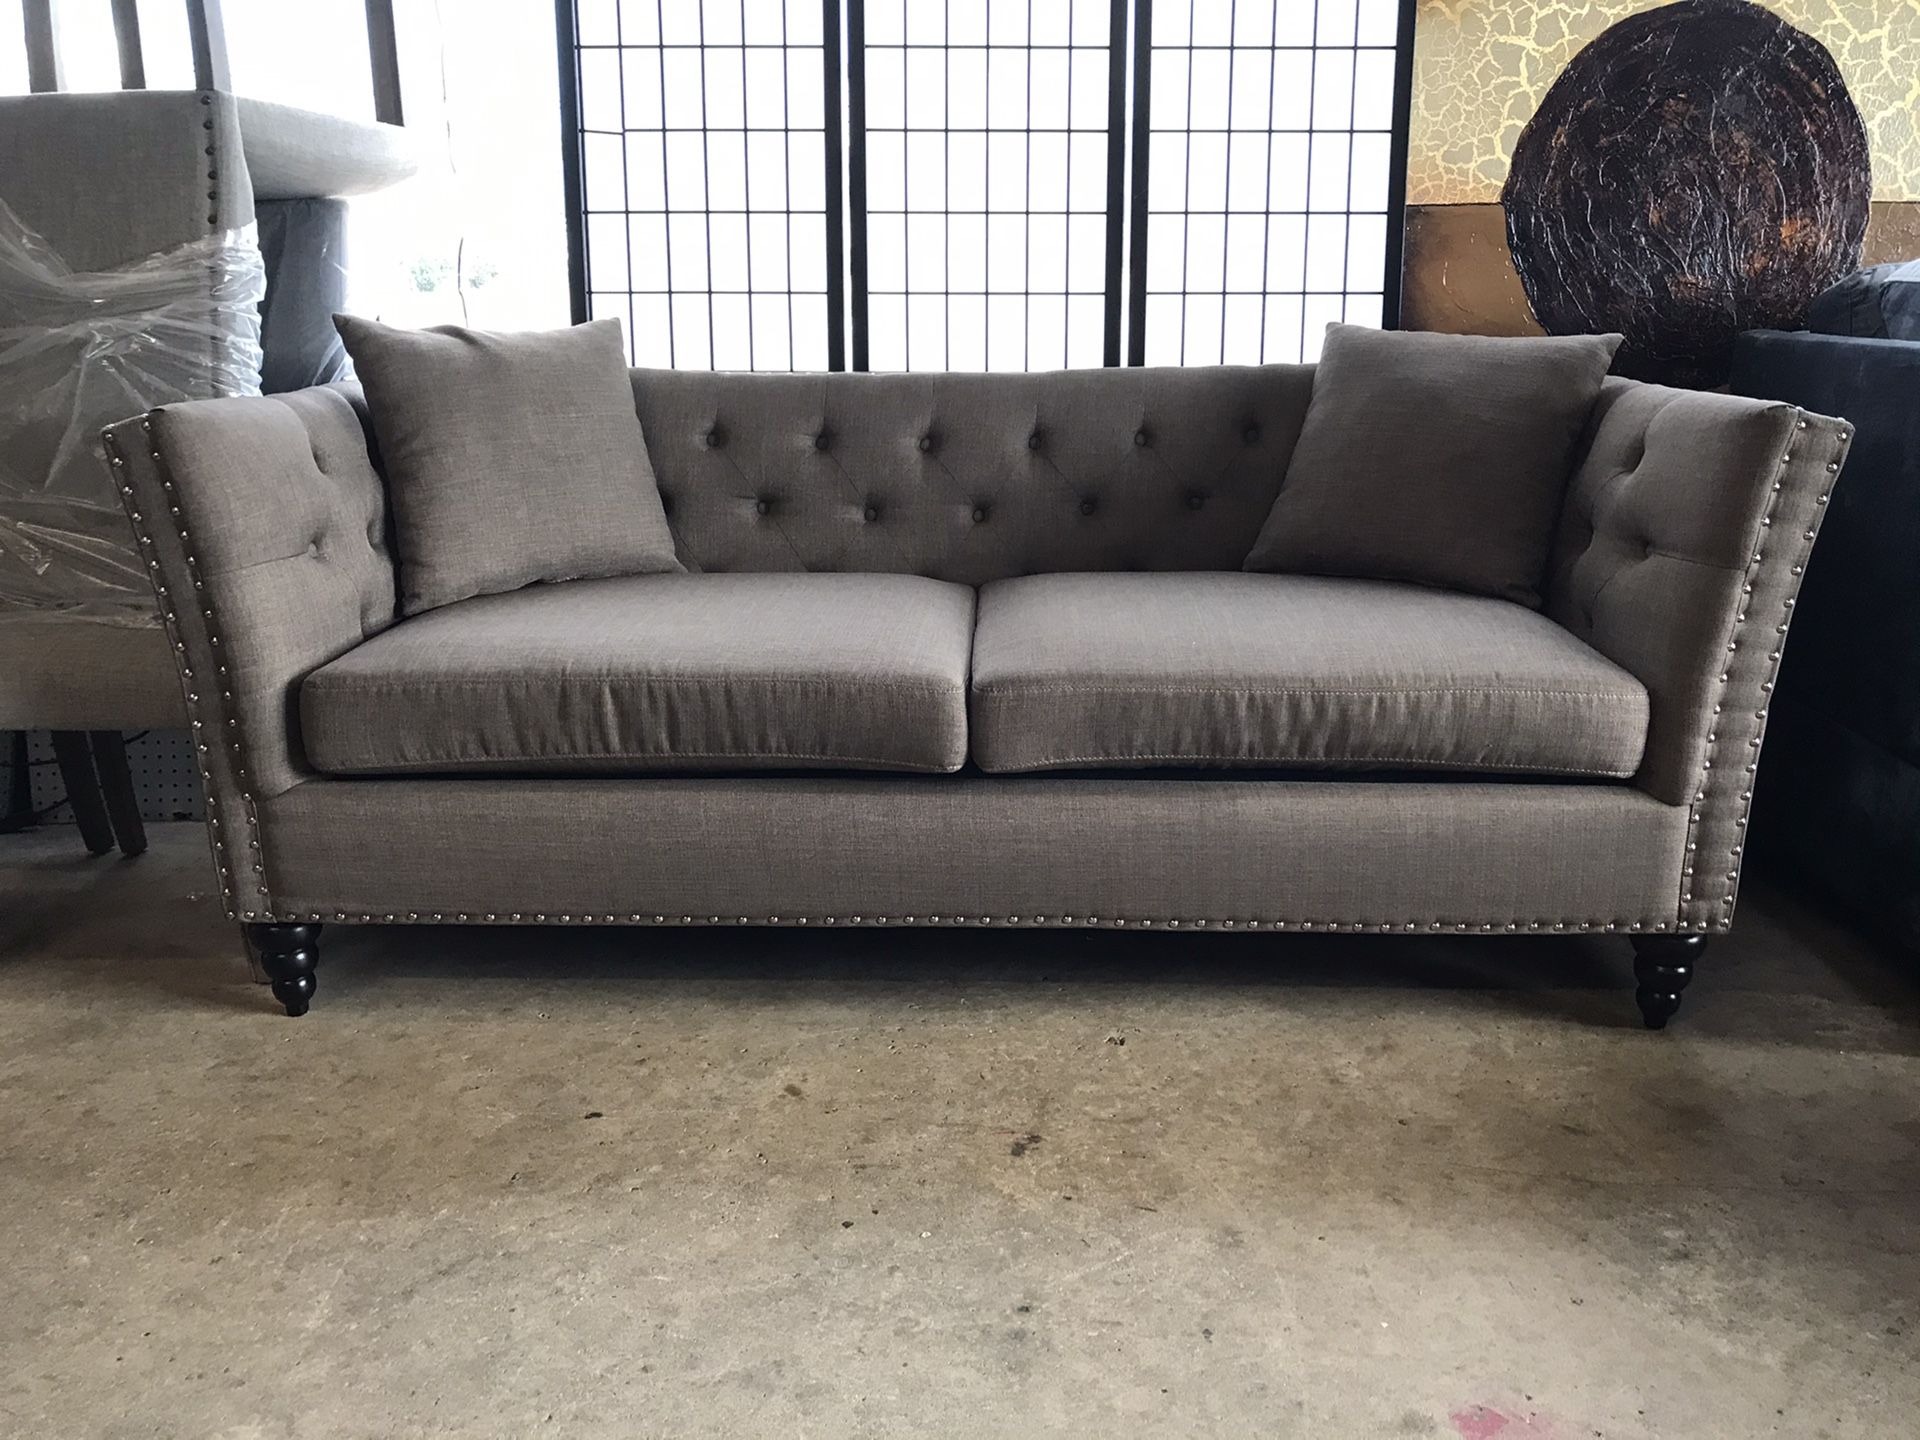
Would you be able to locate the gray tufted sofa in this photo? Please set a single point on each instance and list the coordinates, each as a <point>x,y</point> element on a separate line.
<point>1026,587</point>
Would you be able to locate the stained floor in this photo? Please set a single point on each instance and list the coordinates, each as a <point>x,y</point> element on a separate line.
<point>889,1183</point>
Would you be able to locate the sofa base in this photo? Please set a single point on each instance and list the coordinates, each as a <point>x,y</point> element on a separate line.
<point>290,953</point>
<point>1321,854</point>
<point>1212,853</point>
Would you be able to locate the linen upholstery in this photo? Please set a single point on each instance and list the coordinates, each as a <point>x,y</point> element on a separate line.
<point>1077,671</point>
<point>258,481</point>
<point>143,150</point>
<point>1685,534</point>
<point>657,672</point>
<point>63,673</point>
<point>510,458</point>
<point>1486,856</point>
<point>1436,458</point>
<point>285,547</point>
<point>263,523</point>
<point>971,478</point>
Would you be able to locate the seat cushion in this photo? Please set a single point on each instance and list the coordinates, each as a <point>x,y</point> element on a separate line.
<point>1081,671</point>
<point>657,673</point>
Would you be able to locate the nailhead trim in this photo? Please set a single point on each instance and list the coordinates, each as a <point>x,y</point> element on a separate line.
<point>1009,922</point>
<point>199,712</point>
<point>213,178</point>
<point>1724,904</point>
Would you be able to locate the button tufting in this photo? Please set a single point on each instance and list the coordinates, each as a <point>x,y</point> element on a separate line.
<point>979,514</point>
<point>1087,507</point>
<point>763,505</point>
<point>822,440</point>
<point>873,513</point>
<point>926,444</point>
<point>1140,437</point>
<point>1251,434</point>
<point>715,438</point>
<point>1034,440</point>
<point>1196,500</point>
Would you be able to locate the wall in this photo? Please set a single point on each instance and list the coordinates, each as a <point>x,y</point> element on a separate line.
<point>1481,68</point>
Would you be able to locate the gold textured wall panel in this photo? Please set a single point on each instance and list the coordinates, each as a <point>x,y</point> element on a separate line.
<point>1460,278</point>
<point>1482,66</point>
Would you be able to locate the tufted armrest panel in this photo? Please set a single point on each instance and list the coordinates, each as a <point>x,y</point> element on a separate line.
<point>263,523</point>
<point>1685,534</point>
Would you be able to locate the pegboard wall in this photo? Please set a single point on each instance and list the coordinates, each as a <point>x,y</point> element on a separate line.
<point>164,777</point>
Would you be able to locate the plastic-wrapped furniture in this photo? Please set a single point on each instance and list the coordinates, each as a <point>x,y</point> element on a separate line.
<point>130,275</point>
<point>1839,797</point>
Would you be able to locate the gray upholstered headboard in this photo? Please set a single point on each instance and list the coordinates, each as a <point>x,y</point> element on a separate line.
<point>971,477</point>
<point>110,178</point>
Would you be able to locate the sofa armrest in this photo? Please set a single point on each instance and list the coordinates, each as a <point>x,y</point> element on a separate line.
<point>262,521</point>
<point>1684,537</point>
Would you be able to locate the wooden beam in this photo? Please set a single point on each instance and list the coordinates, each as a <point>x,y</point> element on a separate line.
<point>43,54</point>
<point>383,48</point>
<point>126,35</point>
<point>209,37</point>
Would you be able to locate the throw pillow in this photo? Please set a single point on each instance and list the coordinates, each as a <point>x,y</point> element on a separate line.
<point>1441,459</point>
<point>510,458</point>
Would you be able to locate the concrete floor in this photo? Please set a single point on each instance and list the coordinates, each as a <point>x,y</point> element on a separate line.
<point>879,1183</point>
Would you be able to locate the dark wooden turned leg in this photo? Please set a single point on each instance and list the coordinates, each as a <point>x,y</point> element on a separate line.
<point>1663,964</point>
<point>116,782</point>
<point>75,756</point>
<point>288,953</point>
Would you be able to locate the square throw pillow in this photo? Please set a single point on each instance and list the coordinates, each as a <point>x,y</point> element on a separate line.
<point>510,458</point>
<point>1441,459</point>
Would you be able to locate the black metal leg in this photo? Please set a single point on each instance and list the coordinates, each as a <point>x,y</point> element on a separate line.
<point>116,781</point>
<point>288,953</point>
<point>1663,964</point>
<point>75,755</point>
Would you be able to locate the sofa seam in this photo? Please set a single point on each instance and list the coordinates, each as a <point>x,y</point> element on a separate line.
<point>1015,688</point>
<point>1479,766</point>
<point>320,681</point>
<point>412,767</point>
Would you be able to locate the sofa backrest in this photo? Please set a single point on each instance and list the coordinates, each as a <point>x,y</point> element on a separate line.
<point>969,477</point>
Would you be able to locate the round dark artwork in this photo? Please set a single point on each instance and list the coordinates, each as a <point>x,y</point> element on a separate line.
<point>1696,171</point>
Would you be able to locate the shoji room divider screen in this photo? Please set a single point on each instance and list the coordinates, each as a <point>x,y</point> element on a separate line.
<point>984,184</point>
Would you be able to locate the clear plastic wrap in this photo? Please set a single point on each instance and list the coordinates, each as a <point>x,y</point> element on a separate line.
<point>79,351</point>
